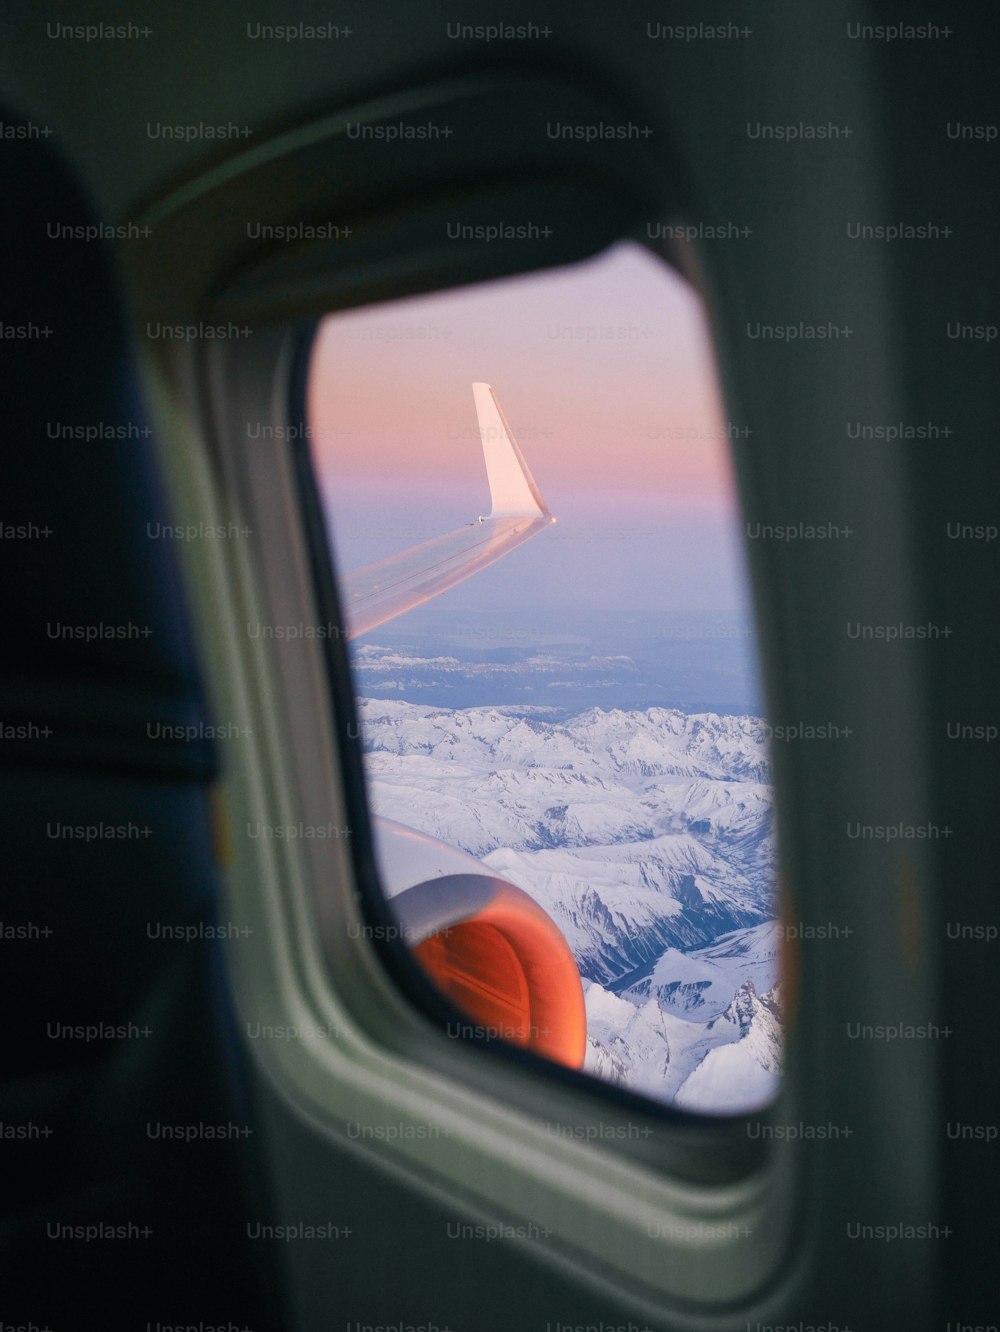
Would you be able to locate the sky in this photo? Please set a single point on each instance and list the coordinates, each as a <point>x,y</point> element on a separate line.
<point>605,373</point>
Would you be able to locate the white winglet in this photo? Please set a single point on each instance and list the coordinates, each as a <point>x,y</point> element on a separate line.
<point>379,592</point>
<point>512,487</point>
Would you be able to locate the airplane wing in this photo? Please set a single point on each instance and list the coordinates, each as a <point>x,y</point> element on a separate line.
<point>381,591</point>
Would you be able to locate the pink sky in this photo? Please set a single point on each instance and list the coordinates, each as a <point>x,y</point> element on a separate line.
<point>605,373</point>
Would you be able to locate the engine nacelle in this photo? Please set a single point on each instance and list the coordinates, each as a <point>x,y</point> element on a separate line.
<point>485,944</point>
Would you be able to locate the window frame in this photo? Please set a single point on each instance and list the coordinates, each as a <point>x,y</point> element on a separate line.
<point>647,1220</point>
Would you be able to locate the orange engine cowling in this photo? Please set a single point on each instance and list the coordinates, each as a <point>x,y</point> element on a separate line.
<point>501,960</point>
<point>486,945</point>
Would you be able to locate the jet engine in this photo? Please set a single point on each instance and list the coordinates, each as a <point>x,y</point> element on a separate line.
<point>485,944</point>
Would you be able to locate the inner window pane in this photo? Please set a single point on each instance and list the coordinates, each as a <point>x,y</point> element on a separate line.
<point>581,719</point>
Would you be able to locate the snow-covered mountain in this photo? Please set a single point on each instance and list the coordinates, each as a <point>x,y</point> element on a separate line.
<point>717,1009</point>
<point>647,837</point>
<point>699,984</point>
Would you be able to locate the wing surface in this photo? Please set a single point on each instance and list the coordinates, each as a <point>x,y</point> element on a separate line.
<point>379,592</point>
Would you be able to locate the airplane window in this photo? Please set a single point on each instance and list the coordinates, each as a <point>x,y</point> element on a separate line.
<point>538,542</point>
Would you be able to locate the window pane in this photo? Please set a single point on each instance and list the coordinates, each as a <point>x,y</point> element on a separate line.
<point>578,714</point>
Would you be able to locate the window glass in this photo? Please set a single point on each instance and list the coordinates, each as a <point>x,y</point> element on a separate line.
<point>571,719</point>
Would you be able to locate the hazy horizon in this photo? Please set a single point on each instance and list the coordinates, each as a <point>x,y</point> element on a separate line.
<point>606,375</point>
